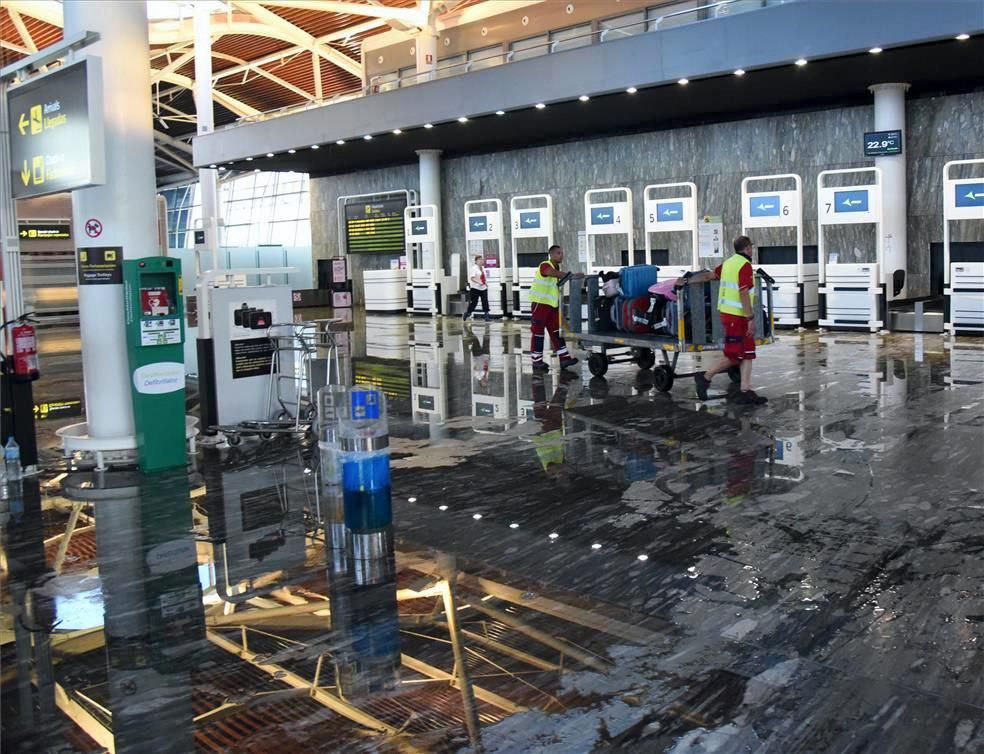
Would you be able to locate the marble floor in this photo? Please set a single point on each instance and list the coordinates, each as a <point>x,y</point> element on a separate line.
<point>574,564</point>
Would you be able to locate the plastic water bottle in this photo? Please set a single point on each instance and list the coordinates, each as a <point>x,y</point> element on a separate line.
<point>11,459</point>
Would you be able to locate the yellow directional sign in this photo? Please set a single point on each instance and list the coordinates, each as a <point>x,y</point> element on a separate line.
<point>54,145</point>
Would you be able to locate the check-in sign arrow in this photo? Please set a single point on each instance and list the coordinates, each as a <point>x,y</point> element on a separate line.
<point>23,123</point>
<point>851,202</point>
<point>26,173</point>
<point>764,206</point>
<point>669,212</point>
<point>972,195</point>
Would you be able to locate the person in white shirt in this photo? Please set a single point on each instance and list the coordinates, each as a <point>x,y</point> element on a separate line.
<point>478,288</point>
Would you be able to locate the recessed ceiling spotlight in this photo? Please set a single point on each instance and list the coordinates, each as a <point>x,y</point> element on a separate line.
<point>596,546</point>
<point>411,500</point>
<point>740,72</point>
<point>442,507</point>
<point>875,50</point>
<point>339,142</point>
<point>962,37</point>
<point>500,112</point>
<point>584,98</point>
<point>318,146</point>
<point>642,557</point>
<point>367,137</point>
<point>269,154</point>
<point>221,167</point>
<point>462,119</point>
<point>256,170</point>
<point>540,106</point>
<point>631,90</point>
<point>249,159</point>
<point>291,151</point>
<point>397,131</point>
<point>477,516</point>
<point>212,166</point>
<point>683,82</point>
<point>553,535</point>
<point>801,62</point>
<point>428,125</point>
<point>514,525</point>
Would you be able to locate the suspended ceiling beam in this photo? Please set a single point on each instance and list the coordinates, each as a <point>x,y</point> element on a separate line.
<point>172,142</point>
<point>227,101</point>
<point>419,666</point>
<point>81,717</point>
<point>410,16</point>
<point>25,35</point>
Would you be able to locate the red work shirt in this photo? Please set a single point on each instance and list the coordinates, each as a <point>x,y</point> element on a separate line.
<point>745,279</point>
<point>545,268</point>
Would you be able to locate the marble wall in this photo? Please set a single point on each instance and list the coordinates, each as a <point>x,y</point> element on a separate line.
<point>716,157</point>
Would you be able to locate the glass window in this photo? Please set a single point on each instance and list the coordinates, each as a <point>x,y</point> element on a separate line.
<point>568,39</point>
<point>452,66</point>
<point>619,27</point>
<point>665,10</point>
<point>487,57</point>
<point>529,48</point>
<point>283,233</point>
<point>386,82</point>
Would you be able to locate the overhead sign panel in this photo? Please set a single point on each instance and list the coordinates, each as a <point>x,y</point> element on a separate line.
<point>854,205</point>
<point>375,226</point>
<point>420,230</point>
<point>607,218</point>
<point>530,223</point>
<point>44,231</point>
<point>882,143</point>
<point>56,138</point>
<point>483,226</point>
<point>771,209</point>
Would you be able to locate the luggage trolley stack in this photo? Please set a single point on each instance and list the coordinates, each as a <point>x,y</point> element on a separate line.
<point>693,324</point>
<point>304,359</point>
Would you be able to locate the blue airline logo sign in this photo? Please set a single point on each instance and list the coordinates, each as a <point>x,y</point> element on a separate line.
<point>851,201</point>
<point>969,194</point>
<point>767,205</point>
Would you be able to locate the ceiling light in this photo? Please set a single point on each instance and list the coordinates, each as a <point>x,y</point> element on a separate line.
<point>596,546</point>
<point>428,125</point>
<point>221,167</point>
<point>317,146</point>
<point>514,525</point>
<point>553,535</point>
<point>339,143</point>
<point>740,72</point>
<point>256,170</point>
<point>367,137</point>
<point>643,557</point>
<point>683,82</point>
<point>249,159</point>
<point>801,62</point>
<point>477,516</point>
<point>540,106</point>
<point>462,119</point>
<point>397,131</point>
<point>962,37</point>
<point>442,507</point>
<point>269,154</point>
<point>212,166</point>
<point>291,151</point>
<point>584,98</point>
<point>631,90</point>
<point>875,50</point>
<point>411,500</point>
<point>500,112</point>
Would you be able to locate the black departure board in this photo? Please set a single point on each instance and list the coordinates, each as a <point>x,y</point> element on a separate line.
<point>375,226</point>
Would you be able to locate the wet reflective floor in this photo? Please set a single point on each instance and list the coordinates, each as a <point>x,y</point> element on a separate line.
<point>575,564</point>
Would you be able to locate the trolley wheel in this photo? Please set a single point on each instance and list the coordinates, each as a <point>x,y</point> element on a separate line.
<point>734,374</point>
<point>234,440</point>
<point>663,379</point>
<point>267,435</point>
<point>598,364</point>
<point>645,358</point>
<point>284,416</point>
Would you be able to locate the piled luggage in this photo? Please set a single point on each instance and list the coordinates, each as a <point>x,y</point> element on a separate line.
<point>629,305</point>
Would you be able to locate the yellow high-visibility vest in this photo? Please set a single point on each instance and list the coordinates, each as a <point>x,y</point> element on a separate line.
<point>729,295</point>
<point>544,290</point>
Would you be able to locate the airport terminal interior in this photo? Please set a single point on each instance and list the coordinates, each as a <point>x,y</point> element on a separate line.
<point>493,376</point>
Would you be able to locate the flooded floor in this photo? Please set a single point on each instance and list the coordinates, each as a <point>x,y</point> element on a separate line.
<point>574,564</point>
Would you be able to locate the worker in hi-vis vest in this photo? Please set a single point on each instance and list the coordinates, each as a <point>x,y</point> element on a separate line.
<point>545,312</point>
<point>736,304</point>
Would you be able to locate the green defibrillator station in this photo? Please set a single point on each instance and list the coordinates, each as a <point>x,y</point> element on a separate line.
<point>154,315</point>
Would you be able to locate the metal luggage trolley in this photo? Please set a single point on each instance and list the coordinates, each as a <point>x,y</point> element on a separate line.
<point>694,320</point>
<point>305,358</point>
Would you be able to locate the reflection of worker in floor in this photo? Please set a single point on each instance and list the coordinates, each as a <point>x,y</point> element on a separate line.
<point>736,301</point>
<point>549,441</point>
<point>545,312</point>
<point>478,288</point>
<point>480,358</point>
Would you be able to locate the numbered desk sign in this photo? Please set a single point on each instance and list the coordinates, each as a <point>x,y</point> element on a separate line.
<point>771,209</point>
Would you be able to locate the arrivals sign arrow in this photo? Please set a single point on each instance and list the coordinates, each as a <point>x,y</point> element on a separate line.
<point>22,124</point>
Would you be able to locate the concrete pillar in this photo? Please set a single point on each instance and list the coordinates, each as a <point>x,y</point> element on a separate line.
<point>126,205</point>
<point>430,193</point>
<point>207,178</point>
<point>890,115</point>
<point>426,46</point>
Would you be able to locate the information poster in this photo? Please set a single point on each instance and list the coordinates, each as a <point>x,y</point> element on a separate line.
<point>375,227</point>
<point>710,237</point>
<point>101,265</point>
<point>251,357</point>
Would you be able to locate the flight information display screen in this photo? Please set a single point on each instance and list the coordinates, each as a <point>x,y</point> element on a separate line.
<point>375,227</point>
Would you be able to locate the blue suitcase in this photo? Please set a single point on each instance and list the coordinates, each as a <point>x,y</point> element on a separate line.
<point>636,280</point>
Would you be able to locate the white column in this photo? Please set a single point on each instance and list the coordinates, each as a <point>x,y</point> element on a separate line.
<point>207,178</point>
<point>14,302</point>
<point>426,47</point>
<point>430,193</point>
<point>890,115</point>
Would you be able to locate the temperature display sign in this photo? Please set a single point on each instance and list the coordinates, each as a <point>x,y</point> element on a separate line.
<point>882,143</point>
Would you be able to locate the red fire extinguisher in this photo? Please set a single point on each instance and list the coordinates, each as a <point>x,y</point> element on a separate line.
<point>25,350</point>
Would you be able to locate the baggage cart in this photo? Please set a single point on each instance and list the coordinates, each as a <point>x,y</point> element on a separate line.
<point>695,327</point>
